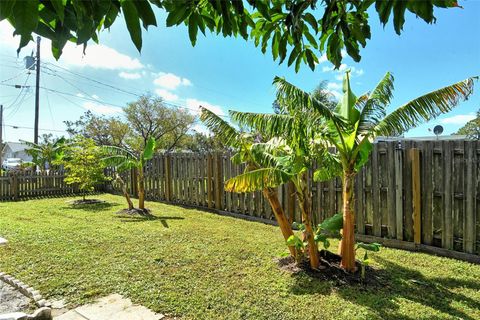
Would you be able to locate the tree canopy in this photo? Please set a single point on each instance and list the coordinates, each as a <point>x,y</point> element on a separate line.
<point>472,128</point>
<point>296,31</point>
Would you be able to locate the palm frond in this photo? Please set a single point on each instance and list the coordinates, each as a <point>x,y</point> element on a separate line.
<point>425,108</point>
<point>268,124</point>
<point>290,95</point>
<point>221,128</point>
<point>118,157</point>
<point>258,179</point>
<point>374,105</point>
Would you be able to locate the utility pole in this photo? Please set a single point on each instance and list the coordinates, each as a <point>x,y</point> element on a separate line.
<point>37,94</point>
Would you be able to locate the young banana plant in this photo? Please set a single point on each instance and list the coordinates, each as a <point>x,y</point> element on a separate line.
<point>124,159</point>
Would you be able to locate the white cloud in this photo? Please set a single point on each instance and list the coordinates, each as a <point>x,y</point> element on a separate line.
<point>101,109</point>
<point>80,95</point>
<point>200,128</point>
<point>96,56</point>
<point>460,119</point>
<point>194,104</point>
<point>94,96</point>
<point>334,86</point>
<point>336,94</point>
<point>129,75</point>
<point>322,59</point>
<point>171,81</point>
<point>167,95</point>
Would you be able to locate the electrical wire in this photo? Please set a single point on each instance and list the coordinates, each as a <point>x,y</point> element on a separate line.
<point>31,128</point>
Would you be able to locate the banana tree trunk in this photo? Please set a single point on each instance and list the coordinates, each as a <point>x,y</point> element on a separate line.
<point>285,226</point>
<point>347,245</point>
<point>305,204</point>
<point>141,189</point>
<point>125,191</point>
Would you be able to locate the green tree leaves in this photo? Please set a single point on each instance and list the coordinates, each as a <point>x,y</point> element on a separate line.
<point>299,30</point>
<point>133,24</point>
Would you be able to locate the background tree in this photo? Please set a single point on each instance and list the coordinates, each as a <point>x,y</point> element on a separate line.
<point>472,128</point>
<point>47,151</point>
<point>149,118</point>
<point>103,130</point>
<point>83,164</point>
<point>200,142</point>
<point>299,29</point>
<point>365,118</point>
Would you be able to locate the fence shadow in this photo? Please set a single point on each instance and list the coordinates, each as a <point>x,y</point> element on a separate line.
<point>397,283</point>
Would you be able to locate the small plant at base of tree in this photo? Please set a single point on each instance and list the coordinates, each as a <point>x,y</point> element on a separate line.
<point>373,247</point>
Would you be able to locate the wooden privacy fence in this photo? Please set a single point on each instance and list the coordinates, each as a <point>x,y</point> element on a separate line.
<point>414,192</point>
<point>28,184</point>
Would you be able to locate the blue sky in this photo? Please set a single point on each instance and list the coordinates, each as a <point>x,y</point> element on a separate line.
<point>230,73</point>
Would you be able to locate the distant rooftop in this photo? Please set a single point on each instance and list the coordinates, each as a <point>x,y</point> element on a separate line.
<point>15,146</point>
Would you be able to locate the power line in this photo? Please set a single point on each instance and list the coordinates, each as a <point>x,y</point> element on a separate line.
<point>94,80</point>
<point>31,128</point>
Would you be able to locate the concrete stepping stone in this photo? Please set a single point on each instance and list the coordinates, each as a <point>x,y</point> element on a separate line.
<point>111,307</point>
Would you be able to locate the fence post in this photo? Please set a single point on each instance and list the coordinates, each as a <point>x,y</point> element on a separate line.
<point>399,191</point>
<point>14,186</point>
<point>209,180</point>
<point>168,178</point>
<point>218,173</point>
<point>416,195</point>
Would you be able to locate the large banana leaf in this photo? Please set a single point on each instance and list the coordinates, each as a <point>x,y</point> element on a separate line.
<point>149,150</point>
<point>221,128</point>
<point>374,104</point>
<point>425,108</point>
<point>258,179</point>
<point>271,125</point>
<point>120,158</point>
<point>290,95</point>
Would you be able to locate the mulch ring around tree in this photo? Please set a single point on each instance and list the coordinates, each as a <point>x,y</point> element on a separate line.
<point>330,271</point>
<point>136,211</point>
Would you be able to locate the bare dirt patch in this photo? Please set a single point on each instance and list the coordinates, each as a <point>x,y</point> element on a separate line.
<point>330,271</point>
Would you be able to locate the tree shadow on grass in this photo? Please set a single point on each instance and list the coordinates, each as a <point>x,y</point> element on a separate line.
<point>397,282</point>
<point>148,218</point>
<point>92,207</point>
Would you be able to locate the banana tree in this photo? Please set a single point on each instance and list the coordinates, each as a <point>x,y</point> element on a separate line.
<point>124,159</point>
<point>45,152</point>
<point>290,160</point>
<point>365,118</point>
<point>242,143</point>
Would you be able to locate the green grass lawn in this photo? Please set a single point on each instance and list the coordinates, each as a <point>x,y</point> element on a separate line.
<point>200,265</point>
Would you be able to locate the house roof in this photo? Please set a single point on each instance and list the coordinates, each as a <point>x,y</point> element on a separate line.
<point>15,146</point>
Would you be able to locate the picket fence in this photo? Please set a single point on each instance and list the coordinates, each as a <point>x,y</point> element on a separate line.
<point>419,195</point>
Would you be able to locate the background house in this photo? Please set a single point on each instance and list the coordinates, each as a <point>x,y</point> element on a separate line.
<point>15,150</point>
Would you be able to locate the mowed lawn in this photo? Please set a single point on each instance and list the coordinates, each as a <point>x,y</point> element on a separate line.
<point>198,265</point>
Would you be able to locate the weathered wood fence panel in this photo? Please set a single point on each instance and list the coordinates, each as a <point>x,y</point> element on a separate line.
<point>27,184</point>
<point>423,192</point>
